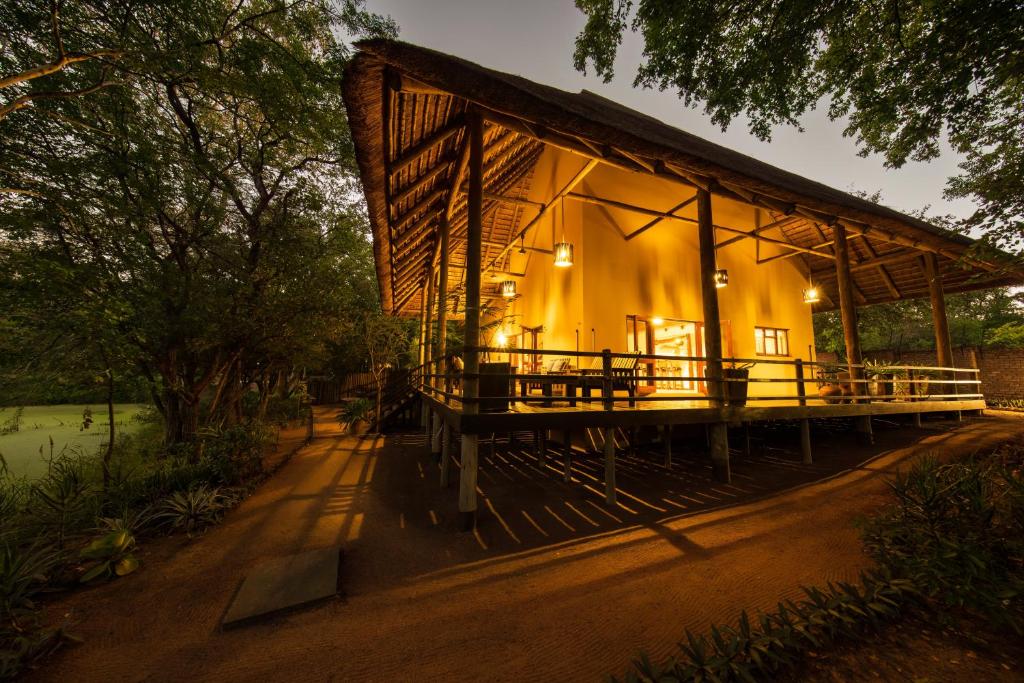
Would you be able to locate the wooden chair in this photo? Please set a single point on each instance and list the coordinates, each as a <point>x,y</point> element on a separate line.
<point>624,369</point>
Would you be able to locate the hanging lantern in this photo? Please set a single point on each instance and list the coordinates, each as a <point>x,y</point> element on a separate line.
<point>721,278</point>
<point>656,321</point>
<point>508,289</point>
<point>563,254</point>
<point>811,295</point>
<point>500,340</point>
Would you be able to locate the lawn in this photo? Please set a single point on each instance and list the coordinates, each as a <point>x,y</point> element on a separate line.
<point>62,424</point>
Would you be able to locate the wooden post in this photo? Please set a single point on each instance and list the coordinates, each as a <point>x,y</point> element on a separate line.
<point>424,409</point>
<point>446,454</point>
<point>541,437</point>
<point>914,391</point>
<point>848,311</point>
<point>442,304</point>
<point>666,435</point>
<point>471,356</point>
<point>436,437</point>
<point>428,354</point>
<point>609,465</point>
<point>943,343</point>
<point>805,423</point>
<point>567,475</point>
<point>609,432</point>
<point>718,435</point>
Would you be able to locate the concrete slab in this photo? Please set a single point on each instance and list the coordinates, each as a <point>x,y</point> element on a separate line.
<point>285,583</point>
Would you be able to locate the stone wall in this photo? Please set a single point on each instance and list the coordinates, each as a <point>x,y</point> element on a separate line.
<point>1002,370</point>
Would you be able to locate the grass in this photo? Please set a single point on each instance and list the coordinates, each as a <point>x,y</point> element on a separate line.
<point>62,424</point>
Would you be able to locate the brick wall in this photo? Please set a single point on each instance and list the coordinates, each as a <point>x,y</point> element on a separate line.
<point>1002,370</point>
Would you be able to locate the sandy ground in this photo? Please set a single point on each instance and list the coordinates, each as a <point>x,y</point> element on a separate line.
<point>553,586</point>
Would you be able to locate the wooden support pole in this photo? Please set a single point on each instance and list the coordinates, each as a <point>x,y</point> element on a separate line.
<point>541,437</point>
<point>718,435</point>
<point>442,302</point>
<point>567,457</point>
<point>609,465</point>
<point>666,435</point>
<point>436,437</point>
<point>446,454</point>
<point>848,312</point>
<point>471,357</point>
<point>943,343</point>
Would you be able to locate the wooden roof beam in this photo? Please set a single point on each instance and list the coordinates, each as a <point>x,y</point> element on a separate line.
<point>764,228</point>
<point>652,212</point>
<point>427,144</point>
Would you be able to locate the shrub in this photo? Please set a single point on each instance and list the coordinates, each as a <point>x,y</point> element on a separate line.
<point>355,410</point>
<point>193,510</point>
<point>956,530</point>
<point>110,555</point>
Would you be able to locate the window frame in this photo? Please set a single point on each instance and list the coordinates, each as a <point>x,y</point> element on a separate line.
<point>771,333</point>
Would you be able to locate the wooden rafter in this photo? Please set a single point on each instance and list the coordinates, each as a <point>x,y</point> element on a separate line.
<point>427,144</point>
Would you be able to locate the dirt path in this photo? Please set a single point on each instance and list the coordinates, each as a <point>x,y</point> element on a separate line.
<point>423,603</point>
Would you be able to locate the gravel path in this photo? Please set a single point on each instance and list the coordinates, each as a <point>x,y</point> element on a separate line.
<point>424,603</point>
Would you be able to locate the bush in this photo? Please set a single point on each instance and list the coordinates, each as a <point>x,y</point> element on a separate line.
<point>952,542</point>
<point>193,510</point>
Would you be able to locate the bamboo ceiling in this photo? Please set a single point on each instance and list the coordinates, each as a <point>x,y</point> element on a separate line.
<point>407,108</point>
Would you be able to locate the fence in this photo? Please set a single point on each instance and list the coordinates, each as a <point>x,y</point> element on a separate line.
<point>1000,370</point>
<point>605,372</point>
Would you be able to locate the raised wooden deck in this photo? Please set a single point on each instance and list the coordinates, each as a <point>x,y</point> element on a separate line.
<point>560,415</point>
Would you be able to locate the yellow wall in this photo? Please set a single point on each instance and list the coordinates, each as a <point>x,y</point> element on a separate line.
<point>654,274</point>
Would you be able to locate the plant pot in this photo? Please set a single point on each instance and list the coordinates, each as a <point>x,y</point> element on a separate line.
<point>882,386</point>
<point>736,392</point>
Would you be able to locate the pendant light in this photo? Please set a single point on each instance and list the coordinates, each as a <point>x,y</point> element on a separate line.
<point>721,276</point>
<point>811,294</point>
<point>563,250</point>
<point>508,289</point>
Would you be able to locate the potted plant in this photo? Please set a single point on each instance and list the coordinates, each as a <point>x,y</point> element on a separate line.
<point>883,374</point>
<point>736,385</point>
<point>831,384</point>
<point>353,416</point>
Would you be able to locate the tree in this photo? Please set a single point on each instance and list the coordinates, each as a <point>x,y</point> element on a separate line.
<point>386,340</point>
<point>904,74</point>
<point>203,209</point>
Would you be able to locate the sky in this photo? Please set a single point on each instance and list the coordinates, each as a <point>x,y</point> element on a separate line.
<point>535,38</point>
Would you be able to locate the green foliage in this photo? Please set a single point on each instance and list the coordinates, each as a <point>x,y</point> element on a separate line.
<point>952,540</point>
<point>990,317</point>
<point>355,410</point>
<point>193,510</point>
<point>762,647</point>
<point>887,69</point>
<point>956,530</point>
<point>24,572</point>
<point>110,555</point>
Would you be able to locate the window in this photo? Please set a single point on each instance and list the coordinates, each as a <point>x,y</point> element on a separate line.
<point>770,341</point>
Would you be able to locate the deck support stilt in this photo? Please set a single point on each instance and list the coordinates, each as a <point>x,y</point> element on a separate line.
<point>446,454</point>
<point>609,465</point>
<point>541,437</point>
<point>805,442</point>
<point>666,436</point>
<point>471,354</point>
<point>916,420</point>
<point>568,456</point>
<point>435,436</point>
<point>718,434</point>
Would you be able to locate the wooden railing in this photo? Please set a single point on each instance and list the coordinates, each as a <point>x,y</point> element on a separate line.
<point>592,378</point>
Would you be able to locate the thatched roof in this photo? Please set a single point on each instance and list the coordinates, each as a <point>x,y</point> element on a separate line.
<point>406,108</point>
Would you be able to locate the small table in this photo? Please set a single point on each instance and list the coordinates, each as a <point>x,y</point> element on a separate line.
<point>569,381</point>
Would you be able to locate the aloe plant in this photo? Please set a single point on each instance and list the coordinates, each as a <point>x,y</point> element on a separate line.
<point>111,555</point>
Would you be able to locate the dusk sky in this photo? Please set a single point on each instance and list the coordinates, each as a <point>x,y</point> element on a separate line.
<point>534,39</point>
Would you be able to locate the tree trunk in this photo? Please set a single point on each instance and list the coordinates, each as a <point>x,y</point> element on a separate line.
<point>182,418</point>
<point>110,434</point>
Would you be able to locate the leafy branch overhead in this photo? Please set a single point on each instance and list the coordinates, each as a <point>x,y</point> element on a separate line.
<point>905,76</point>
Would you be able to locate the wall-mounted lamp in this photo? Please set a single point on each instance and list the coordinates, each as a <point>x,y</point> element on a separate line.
<point>721,278</point>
